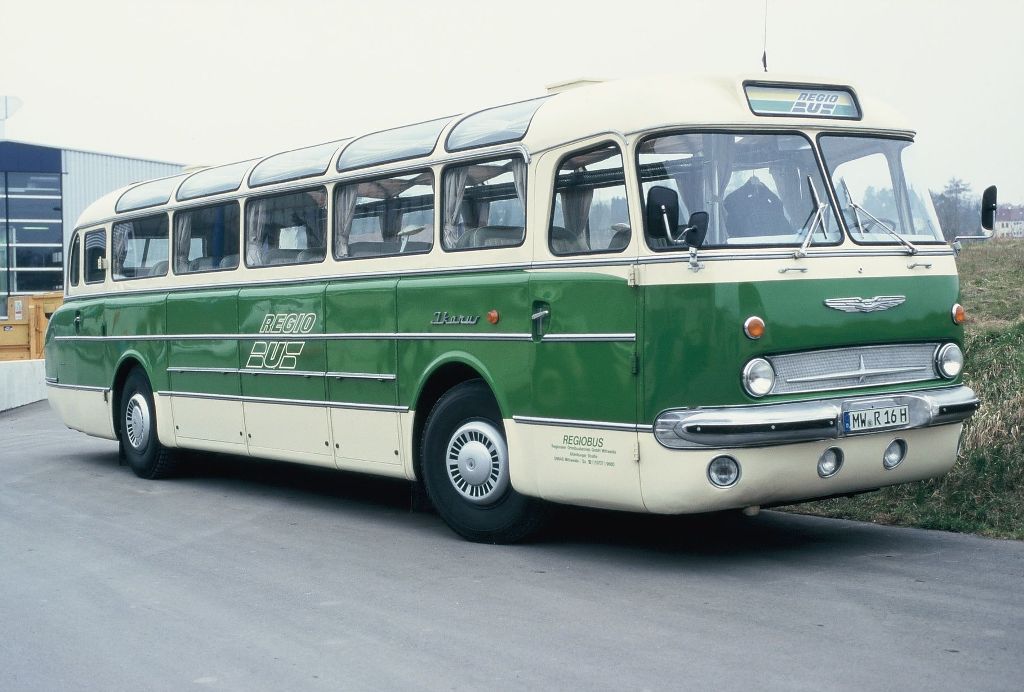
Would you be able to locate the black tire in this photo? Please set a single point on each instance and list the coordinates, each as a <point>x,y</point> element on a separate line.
<point>137,426</point>
<point>476,500</point>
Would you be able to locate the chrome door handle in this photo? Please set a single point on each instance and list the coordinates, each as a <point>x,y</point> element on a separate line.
<point>540,314</point>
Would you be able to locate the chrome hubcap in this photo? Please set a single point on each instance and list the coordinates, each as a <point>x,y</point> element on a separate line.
<point>477,462</point>
<point>136,421</point>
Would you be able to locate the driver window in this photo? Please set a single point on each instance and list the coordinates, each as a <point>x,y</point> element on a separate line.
<point>862,177</point>
<point>754,187</point>
<point>589,211</point>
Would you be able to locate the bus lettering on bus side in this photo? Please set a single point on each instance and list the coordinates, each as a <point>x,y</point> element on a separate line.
<point>288,323</point>
<point>275,355</point>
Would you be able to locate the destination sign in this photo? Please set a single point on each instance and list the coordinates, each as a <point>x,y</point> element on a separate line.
<point>803,102</point>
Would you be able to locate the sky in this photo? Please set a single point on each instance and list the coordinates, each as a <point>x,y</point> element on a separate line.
<point>214,81</point>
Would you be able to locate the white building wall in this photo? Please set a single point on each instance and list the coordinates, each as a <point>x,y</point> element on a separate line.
<point>21,382</point>
<point>88,176</point>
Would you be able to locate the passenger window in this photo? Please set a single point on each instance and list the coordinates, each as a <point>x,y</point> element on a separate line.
<point>95,256</point>
<point>590,214</point>
<point>73,261</point>
<point>206,239</point>
<point>386,216</point>
<point>139,248</point>
<point>289,228</point>
<point>485,205</point>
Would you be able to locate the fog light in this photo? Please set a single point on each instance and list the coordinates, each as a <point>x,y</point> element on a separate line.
<point>894,454</point>
<point>758,377</point>
<point>830,461</point>
<point>949,359</point>
<point>723,471</point>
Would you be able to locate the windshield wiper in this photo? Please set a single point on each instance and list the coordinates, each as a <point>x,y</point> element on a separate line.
<point>878,222</point>
<point>816,217</point>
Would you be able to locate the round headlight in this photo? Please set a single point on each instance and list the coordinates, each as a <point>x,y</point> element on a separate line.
<point>758,377</point>
<point>830,461</point>
<point>949,359</point>
<point>723,471</point>
<point>894,454</point>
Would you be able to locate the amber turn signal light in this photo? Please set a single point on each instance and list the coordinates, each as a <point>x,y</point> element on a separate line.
<point>493,317</point>
<point>959,314</point>
<point>754,327</point>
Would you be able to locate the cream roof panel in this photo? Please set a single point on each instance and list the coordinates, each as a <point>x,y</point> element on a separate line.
<point>629,106</point>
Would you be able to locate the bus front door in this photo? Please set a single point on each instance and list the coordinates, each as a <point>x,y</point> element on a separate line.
<point>582,414</point>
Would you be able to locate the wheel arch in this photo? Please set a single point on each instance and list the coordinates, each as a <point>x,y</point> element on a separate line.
<point>440,376</point>
<point>128,361</point>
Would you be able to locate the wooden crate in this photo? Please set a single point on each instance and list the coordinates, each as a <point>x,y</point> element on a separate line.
<point>23,333</point>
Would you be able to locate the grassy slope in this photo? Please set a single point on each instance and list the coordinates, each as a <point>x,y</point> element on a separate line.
<point>984,493</point>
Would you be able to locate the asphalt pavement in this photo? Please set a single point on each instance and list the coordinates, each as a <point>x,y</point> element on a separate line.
<point>267,576</point>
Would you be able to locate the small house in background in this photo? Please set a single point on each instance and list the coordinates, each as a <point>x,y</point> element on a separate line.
<point>43,189</point>
<point>1010,221</point>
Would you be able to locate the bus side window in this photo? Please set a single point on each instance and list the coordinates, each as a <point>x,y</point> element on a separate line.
<point>384,216</point>
<point>484,205</point>
<point>73,261</point>
<point>288,228</point>
<point>139,248</point>
<point>95,256</point>
<point>589,211</point>
<point>206,239</point>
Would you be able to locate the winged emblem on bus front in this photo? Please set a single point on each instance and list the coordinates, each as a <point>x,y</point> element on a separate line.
<point>865,304</point>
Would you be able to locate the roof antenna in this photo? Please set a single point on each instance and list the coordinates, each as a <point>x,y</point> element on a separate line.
<point>764,45</point>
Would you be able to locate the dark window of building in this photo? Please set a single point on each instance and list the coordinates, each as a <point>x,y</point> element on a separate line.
<point>206,239</point>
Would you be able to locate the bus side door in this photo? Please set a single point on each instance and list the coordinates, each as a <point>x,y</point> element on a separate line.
<point>584,316</point>
<point>202,372</point>
<point>282,363</point>
<point>361,375</point>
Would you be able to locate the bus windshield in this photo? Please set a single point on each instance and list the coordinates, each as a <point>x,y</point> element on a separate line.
<point>878,189</point>
<point>756,188</point>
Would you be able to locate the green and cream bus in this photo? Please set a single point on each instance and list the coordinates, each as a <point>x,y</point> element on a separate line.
<point>644,295</point>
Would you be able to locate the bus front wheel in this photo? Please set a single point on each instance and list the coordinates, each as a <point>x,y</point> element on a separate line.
<point>147,457</point>
<point>465,467</point>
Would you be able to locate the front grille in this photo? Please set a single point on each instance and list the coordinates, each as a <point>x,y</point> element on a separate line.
<point>846,368</point>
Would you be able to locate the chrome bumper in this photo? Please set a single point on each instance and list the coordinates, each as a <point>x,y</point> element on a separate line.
<point>804,421</point>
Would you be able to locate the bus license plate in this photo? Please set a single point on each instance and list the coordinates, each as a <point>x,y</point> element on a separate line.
<point>876,418</point>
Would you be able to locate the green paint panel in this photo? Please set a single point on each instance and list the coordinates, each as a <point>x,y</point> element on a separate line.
<point>143,315</point>
<point>580,379</point>
<point>694,347</point>
<point>365,307</point>
<point>203,312</point>
<point>282,315</point>
<point>422,301</point>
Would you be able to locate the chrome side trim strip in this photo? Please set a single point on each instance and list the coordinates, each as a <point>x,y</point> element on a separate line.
<point>770,254</point>
<point>589,424</point>
<point>51,380</point>
<point>80,387</point>
<point>286,402</point>
<point>293,373</point>
<point>382,376</point>
<point>588,337</point>
<point>339,336</point>
<point>214,371</point>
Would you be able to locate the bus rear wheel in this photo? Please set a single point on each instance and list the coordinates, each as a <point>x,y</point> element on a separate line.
<point>147,457</point>
<point>465,468</point>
